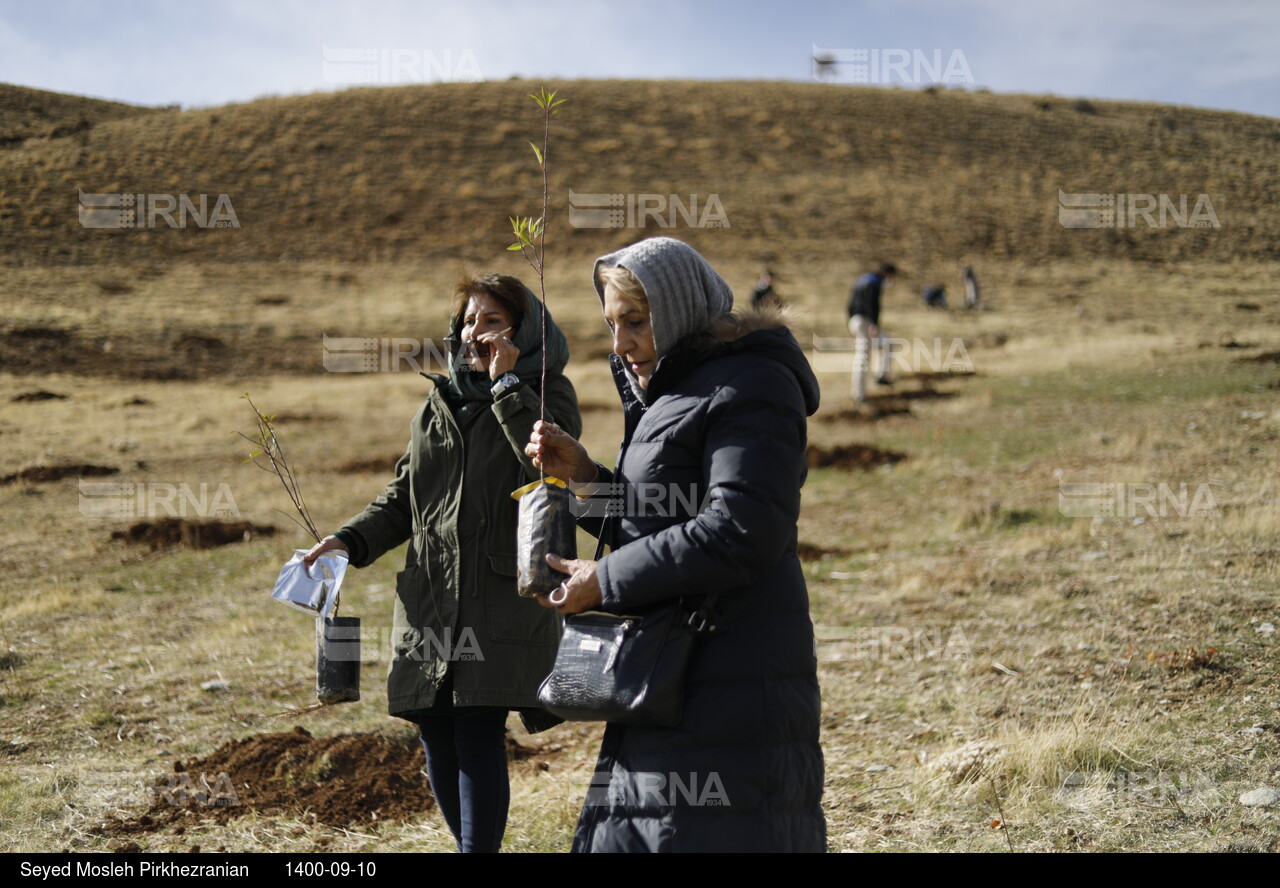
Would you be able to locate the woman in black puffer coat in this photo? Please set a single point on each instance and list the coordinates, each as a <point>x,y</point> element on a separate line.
<point>712,460</point>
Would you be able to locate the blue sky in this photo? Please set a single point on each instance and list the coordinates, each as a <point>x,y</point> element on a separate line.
<point>1221,54</point>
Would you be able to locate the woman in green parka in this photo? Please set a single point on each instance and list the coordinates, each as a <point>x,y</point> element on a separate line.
<point>467,648</point>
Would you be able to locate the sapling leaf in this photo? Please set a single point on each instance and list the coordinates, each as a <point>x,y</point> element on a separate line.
<point>530,232</point>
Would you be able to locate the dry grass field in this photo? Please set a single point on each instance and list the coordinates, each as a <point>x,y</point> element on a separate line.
<point>1004,667</point>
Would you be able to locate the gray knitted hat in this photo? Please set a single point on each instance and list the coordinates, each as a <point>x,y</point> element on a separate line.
<point>685,293</point>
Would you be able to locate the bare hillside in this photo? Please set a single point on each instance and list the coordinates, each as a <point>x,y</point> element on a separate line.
<point>799,170</point>
<point>39,114</point>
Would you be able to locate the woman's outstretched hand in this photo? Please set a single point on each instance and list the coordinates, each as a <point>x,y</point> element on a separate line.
<point>581,591</point>
<point>558,453</point>
<point>325,545</point>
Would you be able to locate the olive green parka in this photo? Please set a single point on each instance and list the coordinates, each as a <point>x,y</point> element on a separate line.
<point>456,605</point>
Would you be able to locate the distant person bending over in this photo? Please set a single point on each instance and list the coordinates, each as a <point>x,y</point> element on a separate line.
<point>764,294</point>
<point>864,326</point>
<point>972,296</point>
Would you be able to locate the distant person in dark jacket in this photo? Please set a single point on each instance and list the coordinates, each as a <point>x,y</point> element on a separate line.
<point>864,326</point>
<point>717,402</point>
<point>972,297</point>
<point>763,293</point>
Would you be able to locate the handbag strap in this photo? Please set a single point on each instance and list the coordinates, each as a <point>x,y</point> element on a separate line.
<point>703,619</point>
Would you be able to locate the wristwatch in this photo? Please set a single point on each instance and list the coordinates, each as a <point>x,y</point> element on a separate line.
<point>505,382</point>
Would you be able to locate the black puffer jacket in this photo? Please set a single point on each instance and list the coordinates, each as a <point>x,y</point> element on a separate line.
<point>743,770</point>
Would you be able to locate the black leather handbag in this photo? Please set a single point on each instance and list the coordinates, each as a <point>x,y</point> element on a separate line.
<point>626,669</point>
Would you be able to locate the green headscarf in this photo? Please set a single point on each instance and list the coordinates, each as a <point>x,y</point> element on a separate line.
<point>469,390</point>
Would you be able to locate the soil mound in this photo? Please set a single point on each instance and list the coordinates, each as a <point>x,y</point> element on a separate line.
<point>873,410</point>
<point>375,465</point>
<point>926,392</point>
<point>337,781</point>
<point>883,404</point>
<point>169,533</point>
<point>351,778</point>
<point>168,355</point>
<point>928,376</point>
<point>281,418</point>
<point>57,472</point>
<point>39,395</point>
<point>851,456</point>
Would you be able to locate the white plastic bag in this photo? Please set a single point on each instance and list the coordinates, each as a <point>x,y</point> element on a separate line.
<point>314,591</point>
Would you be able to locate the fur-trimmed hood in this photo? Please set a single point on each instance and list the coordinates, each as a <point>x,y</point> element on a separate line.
<point>743,321</point>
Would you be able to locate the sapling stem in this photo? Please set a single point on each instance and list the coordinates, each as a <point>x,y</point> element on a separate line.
<point>528,229</point>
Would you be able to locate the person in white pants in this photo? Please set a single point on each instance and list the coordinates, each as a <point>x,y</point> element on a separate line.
<point>864,326</point>
<point>868,337</point>
<point>972,296</point>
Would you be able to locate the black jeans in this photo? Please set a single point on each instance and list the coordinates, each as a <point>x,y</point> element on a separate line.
<point>467,765</point>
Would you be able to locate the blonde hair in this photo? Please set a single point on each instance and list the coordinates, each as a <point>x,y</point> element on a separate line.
<point>625,283</point>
